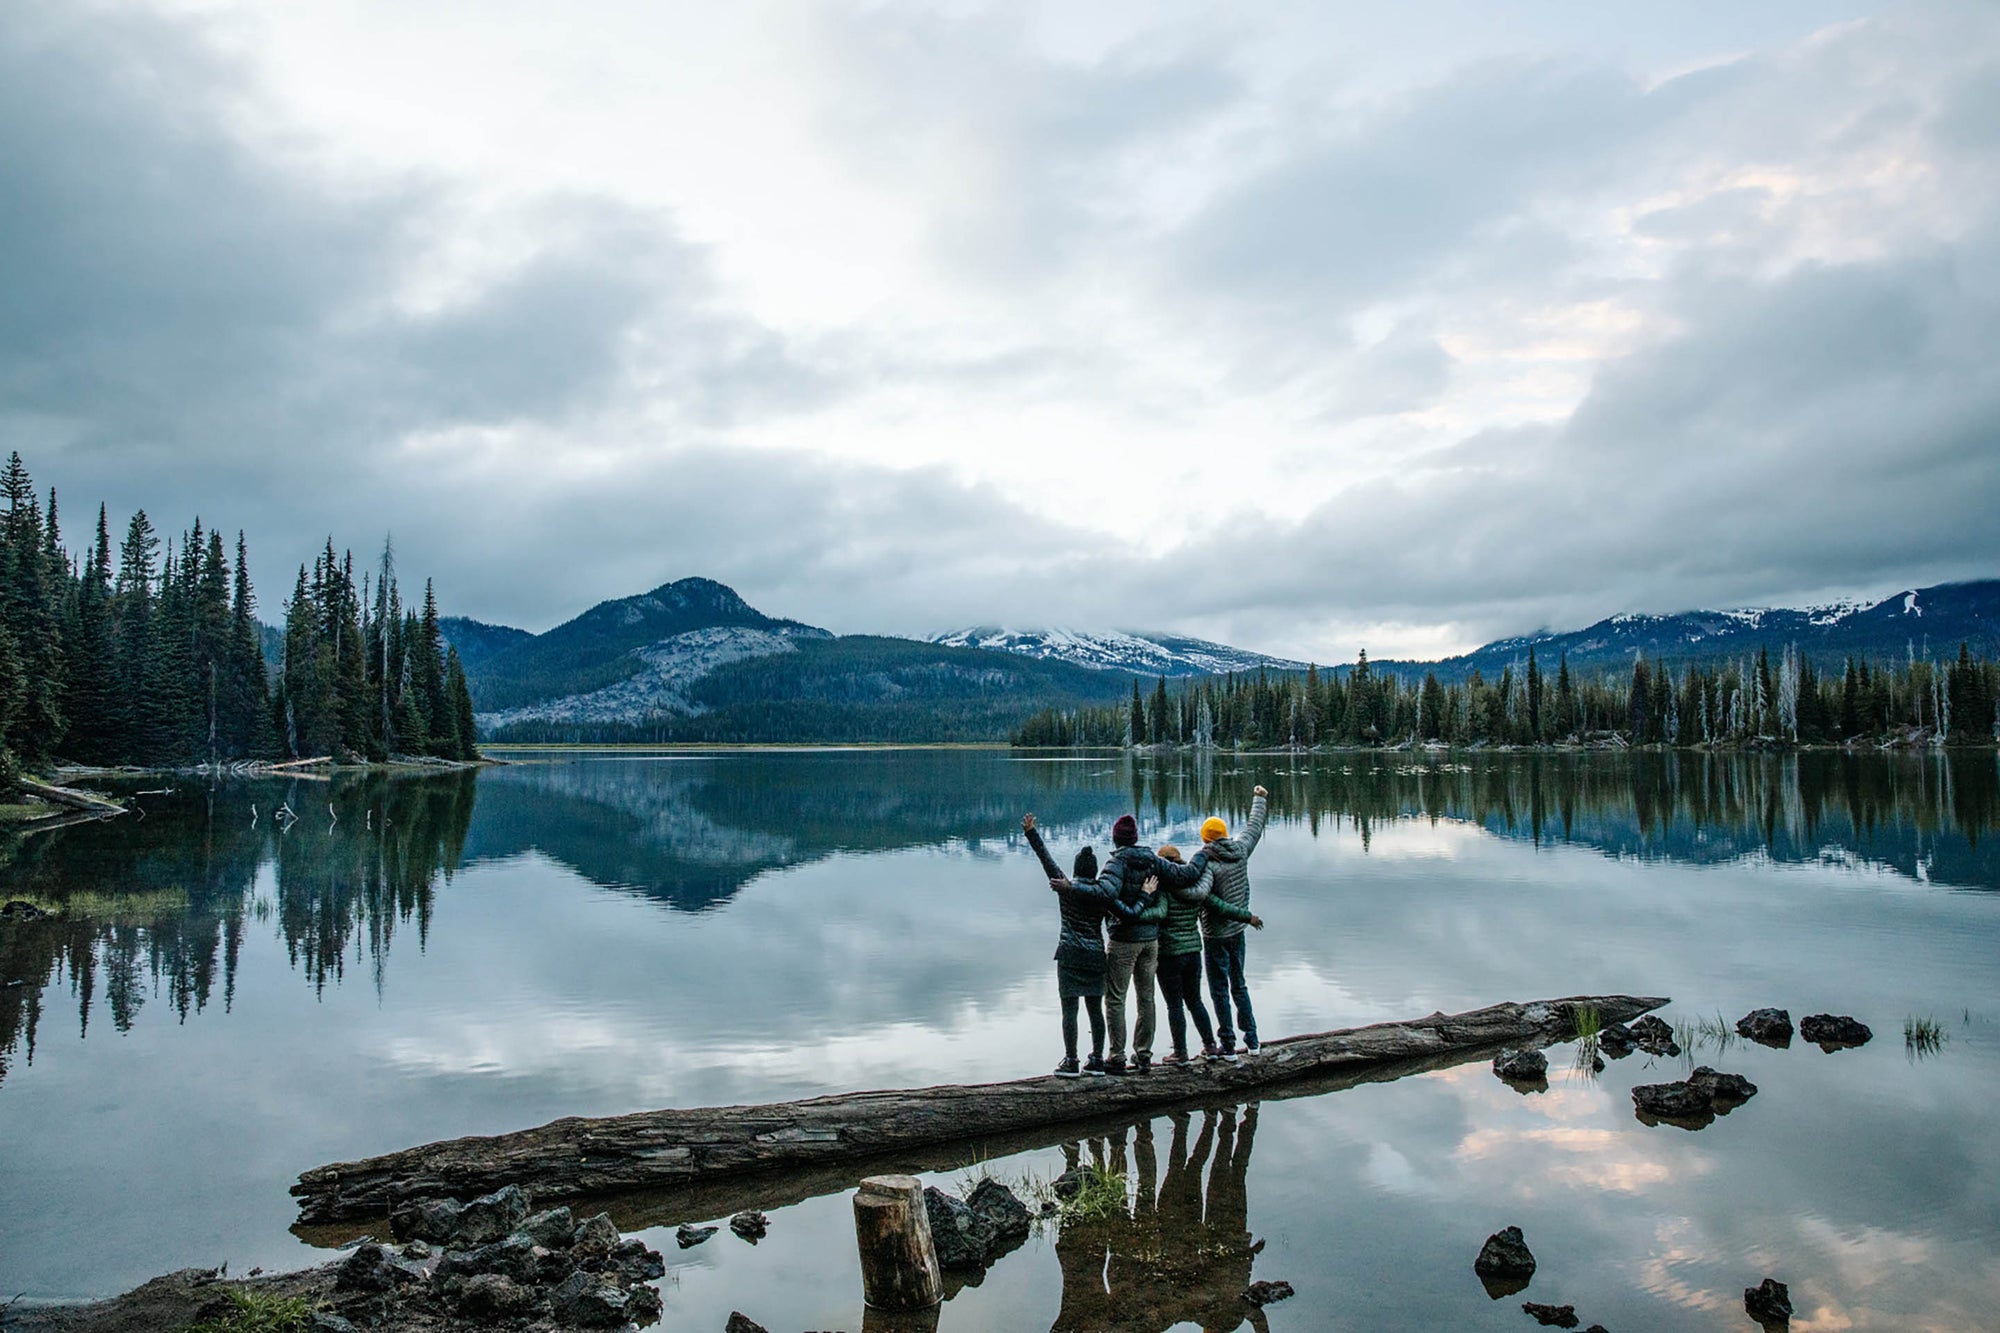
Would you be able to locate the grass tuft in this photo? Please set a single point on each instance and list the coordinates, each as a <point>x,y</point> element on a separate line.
<point>259,1312</point>
<point>1101,1195</point>
<point>1923,1036</point>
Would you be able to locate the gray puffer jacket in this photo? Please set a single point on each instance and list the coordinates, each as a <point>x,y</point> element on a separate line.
<point>1229,858</point>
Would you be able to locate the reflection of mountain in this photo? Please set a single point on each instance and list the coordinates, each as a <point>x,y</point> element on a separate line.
<point>1176,1254</point>
<point>137,908</point>
<point>691,831</point>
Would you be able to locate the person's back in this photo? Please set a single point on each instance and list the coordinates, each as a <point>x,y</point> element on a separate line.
<point>1227,911</point>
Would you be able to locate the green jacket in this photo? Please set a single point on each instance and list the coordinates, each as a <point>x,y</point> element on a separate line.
<point>1182,931</point>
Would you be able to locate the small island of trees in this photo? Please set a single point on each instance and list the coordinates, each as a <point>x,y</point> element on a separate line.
<point>156,657</point>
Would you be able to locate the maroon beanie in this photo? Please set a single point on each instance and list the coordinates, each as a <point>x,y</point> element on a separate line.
<point>1125,832</point>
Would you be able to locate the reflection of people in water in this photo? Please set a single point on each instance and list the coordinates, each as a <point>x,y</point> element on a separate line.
<point>1176,1254</point>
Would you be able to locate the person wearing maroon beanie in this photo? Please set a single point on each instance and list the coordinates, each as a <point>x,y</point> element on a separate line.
<point>1133,956</point>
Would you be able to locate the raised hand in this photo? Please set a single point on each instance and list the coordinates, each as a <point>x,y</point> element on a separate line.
<point>1027,823</point>
<point>1259,791</point>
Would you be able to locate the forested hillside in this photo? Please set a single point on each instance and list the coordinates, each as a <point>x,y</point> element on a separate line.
<point>155,655</point>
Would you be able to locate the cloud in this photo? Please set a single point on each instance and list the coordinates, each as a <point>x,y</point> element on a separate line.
<point>1159,322</point>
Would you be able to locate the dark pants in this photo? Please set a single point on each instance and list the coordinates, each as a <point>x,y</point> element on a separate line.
<point>1180,983</point>
<point>1094,1004</point>
<point>1225,983</point>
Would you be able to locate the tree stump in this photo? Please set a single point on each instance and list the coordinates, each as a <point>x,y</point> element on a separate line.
<point>899,1267</point>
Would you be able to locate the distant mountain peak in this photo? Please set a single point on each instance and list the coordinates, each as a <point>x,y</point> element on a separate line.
<point>1143,654</point>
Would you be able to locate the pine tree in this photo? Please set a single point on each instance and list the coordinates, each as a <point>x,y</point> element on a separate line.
<point>30,613</point>
<point>465,730</point>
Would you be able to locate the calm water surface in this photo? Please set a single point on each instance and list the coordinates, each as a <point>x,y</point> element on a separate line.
<point>220,1005</point>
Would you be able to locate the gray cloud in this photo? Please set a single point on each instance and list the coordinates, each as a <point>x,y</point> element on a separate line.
<point>548,400</point>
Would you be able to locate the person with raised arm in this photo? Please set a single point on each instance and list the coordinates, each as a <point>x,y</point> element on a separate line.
<point>1224,945</point>
<point>1080,958</point>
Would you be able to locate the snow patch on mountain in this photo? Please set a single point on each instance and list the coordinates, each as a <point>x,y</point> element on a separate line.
<point>1117,650</point>
<point>669,669</point>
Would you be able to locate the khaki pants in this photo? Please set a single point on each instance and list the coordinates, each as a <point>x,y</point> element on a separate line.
<point>1130,964</point>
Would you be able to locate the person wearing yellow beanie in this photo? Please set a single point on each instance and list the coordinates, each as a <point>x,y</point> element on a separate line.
<point>1213,827</point>
<point>1223,943</point>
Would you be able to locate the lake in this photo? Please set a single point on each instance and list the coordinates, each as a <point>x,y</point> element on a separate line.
<point>263,976</point>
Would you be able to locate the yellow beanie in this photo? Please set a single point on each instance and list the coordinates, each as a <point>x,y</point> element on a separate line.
<point>1213,828</point>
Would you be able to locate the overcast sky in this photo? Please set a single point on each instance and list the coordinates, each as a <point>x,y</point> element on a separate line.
<point>1308,327</point>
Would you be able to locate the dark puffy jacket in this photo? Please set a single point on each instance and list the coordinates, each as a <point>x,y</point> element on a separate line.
<point>1083,906</point>
<point>1181,931</point>
<point>1230,859</point>
<point>1124,879</point>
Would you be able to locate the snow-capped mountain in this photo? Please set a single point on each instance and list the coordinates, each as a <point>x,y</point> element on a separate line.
<point>1141,654</point>
<point>1924,622</point>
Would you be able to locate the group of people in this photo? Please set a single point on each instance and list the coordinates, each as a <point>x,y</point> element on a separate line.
<point>1170,919</point>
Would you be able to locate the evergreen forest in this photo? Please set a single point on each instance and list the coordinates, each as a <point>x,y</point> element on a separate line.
<point>154,655</point>
<point>1749,701</point>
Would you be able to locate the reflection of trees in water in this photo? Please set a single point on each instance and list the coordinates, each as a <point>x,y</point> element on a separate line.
<point>1178,1252</point>
<point>1926,815</point>
<point>157,907</point>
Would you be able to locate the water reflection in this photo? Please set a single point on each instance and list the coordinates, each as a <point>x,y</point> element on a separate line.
<point>130,909</point>
<point>1180,1251</point>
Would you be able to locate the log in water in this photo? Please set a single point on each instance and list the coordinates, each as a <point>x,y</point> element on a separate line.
<point>576,1157</point>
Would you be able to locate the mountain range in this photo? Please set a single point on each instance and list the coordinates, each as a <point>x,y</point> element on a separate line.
<point>1920,622</point>
<point>692,661</point>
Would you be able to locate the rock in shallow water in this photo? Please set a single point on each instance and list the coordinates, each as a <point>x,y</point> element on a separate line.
<point>1725,1091</point>
<point>553,1228</point>
<point>1519,1066</point>
<point>1002,1209</point>
<point>372,1268</point>
<point>743,1323</point>
<point>750,1224</point>
<point>688,1237</point>
<point>1652,1035</point>
<point>1552,1316</point>
<point>1834,1032</point>
<point>962,1237</point>
<point>490,1296</point>
<point>1505,1255</point>
<point>1673,1101</point>
<point>461,1226</point>
<point>592,1300</point>
<point>1771,1027</point>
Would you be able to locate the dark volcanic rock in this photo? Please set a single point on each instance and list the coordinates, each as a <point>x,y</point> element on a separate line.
<point>1552,1316</point>
<point>1002,1209</point>
<point>750,1224</point>
<point>1769,1302</point>
<point>1673,1101</point>
<point>1725,1091</point>
<point>1770,1027</point>
<point>1652,1035</point>
<point>326,1321</point>
<point>418,1249</point>
<point>1834,1032</point>
<point>490,1217</point>
<point>434,1220</point>
<point>1263,1293</point>
<point>554,1228</point>
<point>372,1268</point>
<point>1615,1040</point>
<point>743,1323</point>
<point>963,1238</point>
<point>515,1257</point>
<point>591,1300</point>
<point>1505,1255</point>
<point>1067,1185</point>
<point>1519,1066</point>
<point>688,1237</point>
<point>490,1296</point>
<point>595,1238</point>
<point>633,1260</point>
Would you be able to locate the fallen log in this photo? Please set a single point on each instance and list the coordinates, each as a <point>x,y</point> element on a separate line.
<point>71,798</point>
<point>577,1157</point>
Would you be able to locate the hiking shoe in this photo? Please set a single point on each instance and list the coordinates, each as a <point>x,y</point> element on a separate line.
<point>1251,1046</point>
<point>1228,1055</point>
<point>1115,1065</point>
<point>1068,1068</point>
<point>1142,1064</point>
<point>1208,1051</point>
<point>1172,1060</point>
<point>1094,1067</point>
